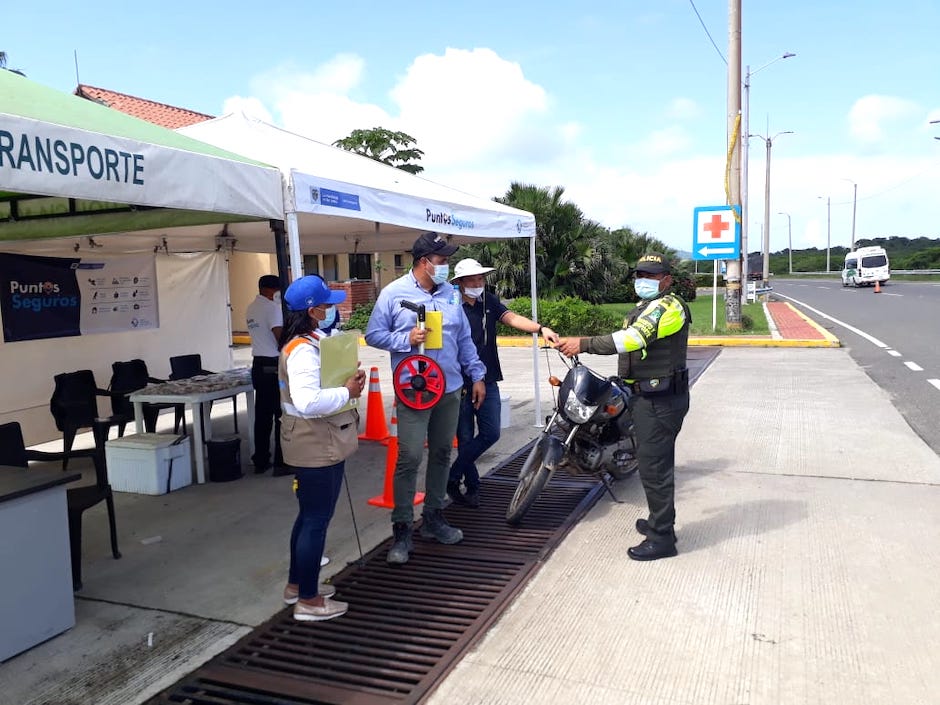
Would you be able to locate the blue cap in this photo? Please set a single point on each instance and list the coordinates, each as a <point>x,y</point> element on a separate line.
<point>310,291</point>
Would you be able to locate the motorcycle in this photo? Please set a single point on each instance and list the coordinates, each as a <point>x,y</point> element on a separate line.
<point>590,432</point>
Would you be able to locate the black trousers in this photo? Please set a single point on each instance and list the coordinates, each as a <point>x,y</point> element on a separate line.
<point>657,421</point>
<point>267,411</point>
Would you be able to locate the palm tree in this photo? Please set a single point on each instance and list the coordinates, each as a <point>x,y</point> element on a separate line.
<point>3,64</point>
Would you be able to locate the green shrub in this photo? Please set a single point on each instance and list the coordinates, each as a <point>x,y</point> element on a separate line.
<point>566,316</point>
<point>359,318</point>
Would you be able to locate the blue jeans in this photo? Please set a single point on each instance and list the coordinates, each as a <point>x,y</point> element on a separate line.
<point>317,492</point>
<point>470,447</point>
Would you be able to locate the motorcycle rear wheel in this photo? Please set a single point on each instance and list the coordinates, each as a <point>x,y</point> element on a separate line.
<point>532,480</point>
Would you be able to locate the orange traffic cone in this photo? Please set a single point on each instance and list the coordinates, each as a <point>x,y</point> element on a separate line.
<point>877,287</point>
<point>376,428</point>
<point>387,498</point>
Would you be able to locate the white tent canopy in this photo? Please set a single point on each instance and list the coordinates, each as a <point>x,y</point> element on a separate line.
<point>70,167</point>
<point>337,201</point>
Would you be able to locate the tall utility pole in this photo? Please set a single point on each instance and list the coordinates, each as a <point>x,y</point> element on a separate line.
<point>765,246</point>
<point>733,273</point>
<point>789,239</point>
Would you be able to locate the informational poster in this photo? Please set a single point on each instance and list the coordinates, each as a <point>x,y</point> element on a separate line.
<point>57,297</point>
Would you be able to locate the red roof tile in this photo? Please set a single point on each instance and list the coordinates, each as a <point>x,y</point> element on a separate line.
<point>158,113</point>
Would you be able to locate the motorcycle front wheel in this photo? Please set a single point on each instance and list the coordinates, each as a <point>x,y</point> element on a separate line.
<point>532,480</point>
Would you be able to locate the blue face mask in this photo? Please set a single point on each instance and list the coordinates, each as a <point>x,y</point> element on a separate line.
<point>329,320</point>
<point>646,288</point>
<point>441,272</point>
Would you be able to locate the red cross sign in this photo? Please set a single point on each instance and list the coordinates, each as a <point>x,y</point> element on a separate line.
<point>716,233</point>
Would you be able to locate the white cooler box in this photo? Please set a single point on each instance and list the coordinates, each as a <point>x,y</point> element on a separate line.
<point>142,463</point>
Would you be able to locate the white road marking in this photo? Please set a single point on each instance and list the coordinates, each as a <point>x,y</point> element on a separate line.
<point>913,366</point>
<point>894,353</point>
<point>935,382</point>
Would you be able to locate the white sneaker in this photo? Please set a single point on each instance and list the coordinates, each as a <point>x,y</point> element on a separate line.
<point>292,593</point>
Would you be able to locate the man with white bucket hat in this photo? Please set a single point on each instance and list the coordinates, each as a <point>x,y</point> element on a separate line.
<point>483,312</point>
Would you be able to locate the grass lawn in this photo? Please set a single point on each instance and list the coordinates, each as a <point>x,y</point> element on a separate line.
<point>753,314</point>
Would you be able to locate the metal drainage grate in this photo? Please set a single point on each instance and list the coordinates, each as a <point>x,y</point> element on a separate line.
<point>407,625</point>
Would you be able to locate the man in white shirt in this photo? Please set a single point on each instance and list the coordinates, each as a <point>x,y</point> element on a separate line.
<point>265,320</point>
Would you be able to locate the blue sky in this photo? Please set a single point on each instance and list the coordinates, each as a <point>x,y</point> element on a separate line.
<point>622,103</point>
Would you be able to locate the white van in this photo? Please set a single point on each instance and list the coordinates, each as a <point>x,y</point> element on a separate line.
<point>866,266</point>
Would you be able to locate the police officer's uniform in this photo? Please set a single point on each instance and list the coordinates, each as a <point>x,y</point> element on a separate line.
<point>652,349</point>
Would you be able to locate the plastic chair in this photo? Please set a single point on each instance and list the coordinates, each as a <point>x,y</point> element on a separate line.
<point>129,376</point>
<point>186,366</point>
<point>13,452</point>
<point>74,406</point>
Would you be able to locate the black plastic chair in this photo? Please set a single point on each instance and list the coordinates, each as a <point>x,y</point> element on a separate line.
<point>129,376</point>
<point>186,366</point>
<point>74,406</point>
<point>13,452</point>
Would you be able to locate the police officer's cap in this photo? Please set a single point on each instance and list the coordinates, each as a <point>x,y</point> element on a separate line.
<point>653,263</point>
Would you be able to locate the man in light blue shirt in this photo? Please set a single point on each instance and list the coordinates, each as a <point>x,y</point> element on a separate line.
<point>395,328</point>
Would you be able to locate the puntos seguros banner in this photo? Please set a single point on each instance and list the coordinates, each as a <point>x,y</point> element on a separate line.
<point>57,297</point>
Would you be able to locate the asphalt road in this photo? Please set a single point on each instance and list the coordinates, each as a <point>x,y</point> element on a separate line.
<point>893,335</point>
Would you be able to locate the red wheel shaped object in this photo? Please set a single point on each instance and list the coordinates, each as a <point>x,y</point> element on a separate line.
<point>418,382</point>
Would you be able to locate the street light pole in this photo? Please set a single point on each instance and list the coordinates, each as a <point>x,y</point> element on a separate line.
<point>789,239</point>
<point>765,247</point>
<point>744,157</point>
<point>828,228</point>
<point>854,202</point>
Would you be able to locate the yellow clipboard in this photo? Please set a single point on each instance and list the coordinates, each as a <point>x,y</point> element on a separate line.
<point>339,360</point>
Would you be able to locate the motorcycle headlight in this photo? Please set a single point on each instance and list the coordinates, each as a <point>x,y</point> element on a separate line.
<point>576,411</point>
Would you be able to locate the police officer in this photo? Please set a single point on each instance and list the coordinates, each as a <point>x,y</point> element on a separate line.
<point>652,348</point>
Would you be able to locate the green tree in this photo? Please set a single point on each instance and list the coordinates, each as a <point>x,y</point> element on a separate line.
<point>396,149</point>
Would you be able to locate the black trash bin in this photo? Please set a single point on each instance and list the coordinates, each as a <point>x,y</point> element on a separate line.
<point>225,458</point>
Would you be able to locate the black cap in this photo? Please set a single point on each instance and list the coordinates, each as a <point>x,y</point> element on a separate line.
<point>432,244</point>
<point>269,281</point>
<point>653,263</point>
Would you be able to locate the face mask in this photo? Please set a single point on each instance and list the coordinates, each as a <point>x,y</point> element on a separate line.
<point>329,320</point>
<point>646,288</point>
<point>441,272</point>
<point>474,292</point>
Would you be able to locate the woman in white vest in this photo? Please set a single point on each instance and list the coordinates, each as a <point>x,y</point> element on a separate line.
<point>316,438</point>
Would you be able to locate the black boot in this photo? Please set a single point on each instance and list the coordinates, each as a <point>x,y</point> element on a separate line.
<point>402,545</point>
<point>643,527</point>
<point>453,491</point>
<point>435,526</point>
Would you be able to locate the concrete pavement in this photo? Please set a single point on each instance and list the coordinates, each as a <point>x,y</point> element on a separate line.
<point>807,570</point>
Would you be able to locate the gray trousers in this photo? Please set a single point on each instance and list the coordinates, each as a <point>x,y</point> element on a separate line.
<point>657,422</point>
<point>439,425</point>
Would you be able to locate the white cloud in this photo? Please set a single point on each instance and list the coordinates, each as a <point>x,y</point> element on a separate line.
<point>872,117</point>
<point>683,109</point>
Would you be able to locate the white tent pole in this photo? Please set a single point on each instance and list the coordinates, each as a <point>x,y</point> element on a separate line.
<point>293,245</point>
<point>535,337</point>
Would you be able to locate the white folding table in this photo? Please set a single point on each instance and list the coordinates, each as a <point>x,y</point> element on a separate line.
<point>196,392</point>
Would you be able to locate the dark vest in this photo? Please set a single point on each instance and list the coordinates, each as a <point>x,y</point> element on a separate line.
<point>663,356</point>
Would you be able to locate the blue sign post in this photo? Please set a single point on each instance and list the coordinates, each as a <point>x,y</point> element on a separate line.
<point>716,232</point>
